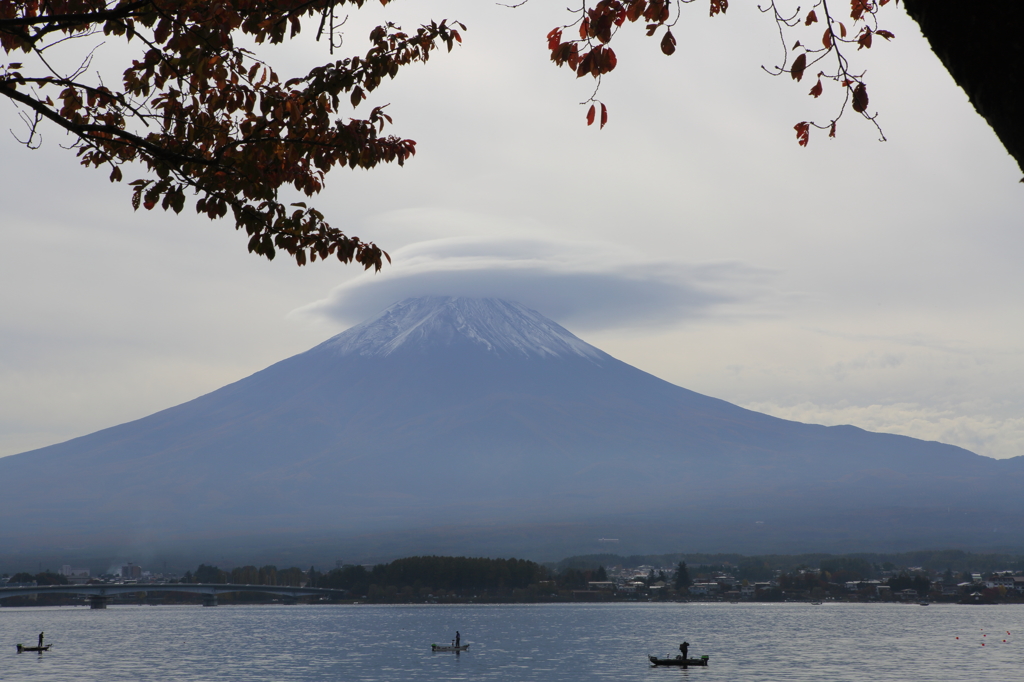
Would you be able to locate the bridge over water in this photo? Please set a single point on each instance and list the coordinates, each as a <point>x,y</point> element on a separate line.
<point>100,594</point>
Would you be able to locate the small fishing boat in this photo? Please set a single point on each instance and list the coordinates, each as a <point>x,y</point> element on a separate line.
<point>441,647</point>
<point>22,647</point>
<point>679,661</point>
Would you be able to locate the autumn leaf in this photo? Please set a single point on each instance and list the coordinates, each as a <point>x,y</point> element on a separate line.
<point>799,64</point>
<point>816,90</point>
<point>668,43</point>
<point>860,98</point>
<point>591,114</point>
<point>803,133</point>
<point>811,18</point>
<point>604,114</point>
<point>554,38</point>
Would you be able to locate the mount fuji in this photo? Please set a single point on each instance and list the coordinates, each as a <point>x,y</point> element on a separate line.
<point>480,426</point>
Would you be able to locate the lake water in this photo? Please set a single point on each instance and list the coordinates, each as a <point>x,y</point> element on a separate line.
<point>541,643</point>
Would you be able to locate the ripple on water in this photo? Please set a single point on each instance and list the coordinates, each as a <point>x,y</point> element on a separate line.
<point>540,643</point>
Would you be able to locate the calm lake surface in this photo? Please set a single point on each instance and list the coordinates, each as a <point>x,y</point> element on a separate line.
<point>542,643</point>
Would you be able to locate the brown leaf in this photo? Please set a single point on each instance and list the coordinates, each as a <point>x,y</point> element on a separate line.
<point>860,98</point>
<point>811,18</point>
<point>799,64</point>
<point>668,43</point>
<point>604,114</point>
<point>636,10</point>
<point>803,133</point>
<point>826,39</point>
<point>816,90</point>
<point>591,114</point>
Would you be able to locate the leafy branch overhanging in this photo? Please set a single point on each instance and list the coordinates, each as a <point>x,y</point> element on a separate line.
<point>206,116</point>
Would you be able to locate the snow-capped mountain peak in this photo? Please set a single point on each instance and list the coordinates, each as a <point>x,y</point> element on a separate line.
<point>504,328</point>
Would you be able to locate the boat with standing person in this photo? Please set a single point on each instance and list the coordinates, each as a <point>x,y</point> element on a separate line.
<point>680,661</point>
<point>441,647</point>
<point>22,648</point>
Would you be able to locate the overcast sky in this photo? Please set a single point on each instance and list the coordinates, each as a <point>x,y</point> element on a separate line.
<point>851,282</point>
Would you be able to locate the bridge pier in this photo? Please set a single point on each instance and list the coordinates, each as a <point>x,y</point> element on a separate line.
<point>98,601</point>
<point>209,600</point>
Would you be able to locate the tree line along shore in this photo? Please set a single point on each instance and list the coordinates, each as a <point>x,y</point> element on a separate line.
<point>952,576</point>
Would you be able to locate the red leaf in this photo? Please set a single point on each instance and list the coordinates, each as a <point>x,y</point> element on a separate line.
<point>842,30</point>
<point>816,90</point>
<point>636,10</point>
<point>574,56</point>
<point>799,64</point>
<point>590,115</point>
<point>811,18</point>
<point>832,130</point>
<point>826,39</point>
<point>584,67</point>
<point>554,38</point>
<point>584,27</point>
<point>668,43</point>
<point>888,35</point>
<point>803,133</point>
<point>604,114</point>
<point>610,61</point>
<point>865,38</point>
<point>860,98</point>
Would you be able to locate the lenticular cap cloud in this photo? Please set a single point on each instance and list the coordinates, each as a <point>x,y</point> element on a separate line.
<point>590,286</point>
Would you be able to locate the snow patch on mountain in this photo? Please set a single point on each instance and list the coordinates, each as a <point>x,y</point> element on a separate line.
<point>503,328</point>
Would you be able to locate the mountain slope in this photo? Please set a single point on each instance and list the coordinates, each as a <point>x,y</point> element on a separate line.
<point>479,413</point>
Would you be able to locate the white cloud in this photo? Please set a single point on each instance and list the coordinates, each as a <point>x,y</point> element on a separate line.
<point>586,286</point>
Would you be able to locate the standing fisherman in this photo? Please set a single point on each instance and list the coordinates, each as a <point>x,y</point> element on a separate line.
<point>458,638</point>
<point>40,640</point>
<point>684,647</point>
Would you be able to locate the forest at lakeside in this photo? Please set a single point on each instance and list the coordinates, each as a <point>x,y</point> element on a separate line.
<point>447,579</point>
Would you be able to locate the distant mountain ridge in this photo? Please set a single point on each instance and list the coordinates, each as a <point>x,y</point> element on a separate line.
<point>455,425</point>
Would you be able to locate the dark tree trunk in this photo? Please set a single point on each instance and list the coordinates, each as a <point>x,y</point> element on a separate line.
<point>982,46</point>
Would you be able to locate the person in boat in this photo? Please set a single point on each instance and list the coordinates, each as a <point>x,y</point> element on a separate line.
<point>40,640</point>
<point>458,638</point>
<point>684,647</point>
